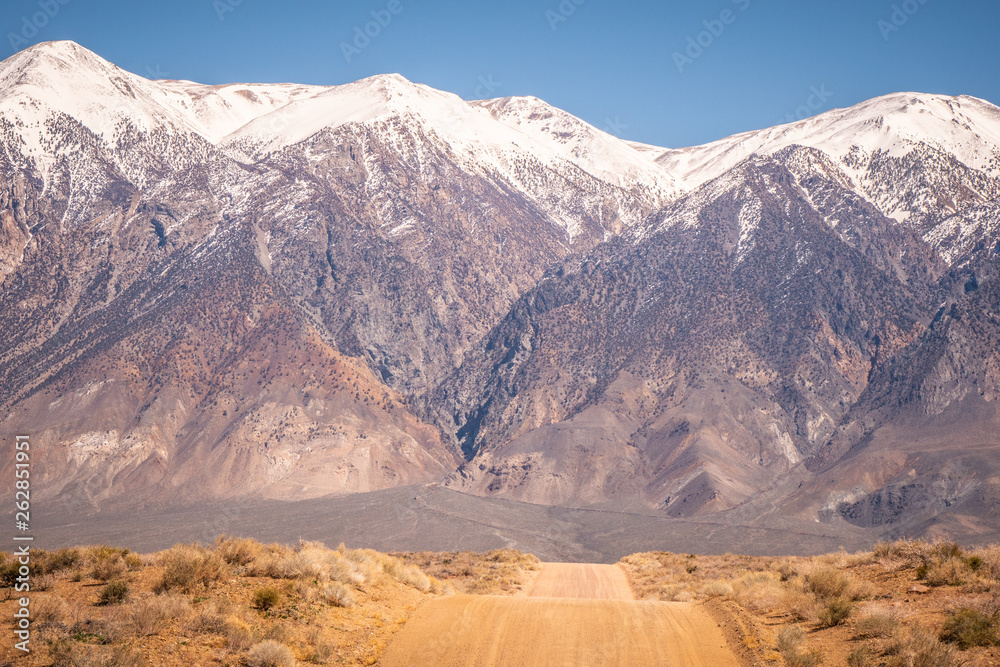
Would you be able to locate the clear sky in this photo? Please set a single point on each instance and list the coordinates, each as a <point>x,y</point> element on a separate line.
<point>667,72</point>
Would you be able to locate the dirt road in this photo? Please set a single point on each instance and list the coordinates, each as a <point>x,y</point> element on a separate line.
<point>575,615</point>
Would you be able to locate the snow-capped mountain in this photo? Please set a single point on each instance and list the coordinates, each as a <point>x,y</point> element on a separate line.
<point>929,161</point>
<point>299,290</point>
<point>183,123</point>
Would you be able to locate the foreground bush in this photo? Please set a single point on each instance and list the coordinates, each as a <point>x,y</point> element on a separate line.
<point>835,612</point>
<point>190,567</point>
<point>115,592</point>
<point>265,598</point>
<point>970,627</point>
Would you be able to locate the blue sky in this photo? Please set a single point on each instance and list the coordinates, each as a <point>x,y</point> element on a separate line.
<point>667,73</point>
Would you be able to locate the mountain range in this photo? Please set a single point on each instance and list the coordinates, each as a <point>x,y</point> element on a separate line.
<point>289,291</point>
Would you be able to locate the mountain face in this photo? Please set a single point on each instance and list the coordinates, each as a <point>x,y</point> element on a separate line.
<point>290,291</point>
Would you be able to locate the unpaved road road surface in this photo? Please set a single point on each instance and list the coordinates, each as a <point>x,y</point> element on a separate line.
<point>575,615</point>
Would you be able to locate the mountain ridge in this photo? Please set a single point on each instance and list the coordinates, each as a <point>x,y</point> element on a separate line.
<point>333,289</point>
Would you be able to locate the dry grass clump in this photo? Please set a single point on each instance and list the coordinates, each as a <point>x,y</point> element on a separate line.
<point>789,642</point>
<point>971,627</point>
<point>147,616</point>
<point>190,567</point>
<point>114,592</point>
<point>267,597</point>
<point>762,592</point>
<point>109,563</point>
<point>53,562</point>
<point>918,648</point>
<point>835,612</point>
<point>338,594</point>
<point>48,610</point>
<point>270,653</point>
<point>69,653</point>
<point>238,550</point>
<point>877,621</point>
<point>716,589</point>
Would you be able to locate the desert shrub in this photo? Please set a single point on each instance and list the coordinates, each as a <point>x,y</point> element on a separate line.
<point>789,639</point>
<point>835,612</point>
<point>321,653</point>
<point>828,583</point>
<point>946,550</point>
<point>64,652</point>
<point>42,582</point>
<point>951,572</point>
<point>989,604</point>
<point>114,592</point>
<point>8,574</point>
<point>278,632</point>
<point>48,610</point>
<point>907,553</point>
<point>716,589</point>
<point>338,595</point>
<point>68,653</point>
<point>786,570</point>
<point>859,657</point>
<point>877,622</point>
<point>789,642</point>
<point>107,564</point>
<point>882,550</point>
<point>990,567</point>
<point>208,620</point>
<point>189,567</point>
<point>61,559</point>
<point>148,616</point>
<point>270,653</point>
<point>238,550</point>
<point>267,597</point>
<point>799,604</point>
<point>811,658</point>
<point>759,591</point>
<point>970,627</point>
<point>919,649</point>
<point>238,635</point>
<point>275,561</point>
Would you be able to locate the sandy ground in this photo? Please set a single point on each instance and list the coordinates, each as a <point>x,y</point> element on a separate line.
<point>574,615</point>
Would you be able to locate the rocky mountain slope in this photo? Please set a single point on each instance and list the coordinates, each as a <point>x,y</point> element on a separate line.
<point>290,291</point>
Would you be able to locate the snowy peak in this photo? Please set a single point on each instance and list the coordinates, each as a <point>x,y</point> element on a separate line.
<point>596,151</point>
<point>63,77</point>
<point>965,127</point>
